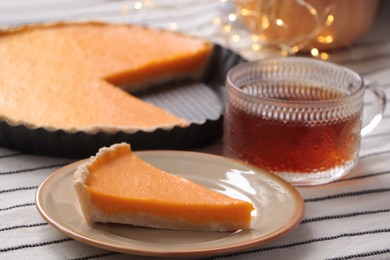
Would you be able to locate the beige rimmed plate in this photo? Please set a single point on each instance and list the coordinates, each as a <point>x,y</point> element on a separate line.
<point>278,208</point>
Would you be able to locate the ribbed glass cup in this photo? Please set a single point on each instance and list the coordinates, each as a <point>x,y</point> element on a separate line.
<point>299,118</point>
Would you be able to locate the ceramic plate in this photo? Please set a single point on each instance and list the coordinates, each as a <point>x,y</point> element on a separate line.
<point>278,208</point>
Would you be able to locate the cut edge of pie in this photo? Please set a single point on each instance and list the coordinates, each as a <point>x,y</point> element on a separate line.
<point>208,211</point>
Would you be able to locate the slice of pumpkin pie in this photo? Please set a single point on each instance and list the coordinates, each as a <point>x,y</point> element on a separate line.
<point>116,186</point>
<point>71,76</point>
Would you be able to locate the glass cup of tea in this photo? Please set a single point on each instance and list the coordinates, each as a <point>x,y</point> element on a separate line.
<point>300,118</point>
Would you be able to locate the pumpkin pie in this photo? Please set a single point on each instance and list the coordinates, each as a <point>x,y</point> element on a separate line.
<point>77,76</point>
<point>116,186</point>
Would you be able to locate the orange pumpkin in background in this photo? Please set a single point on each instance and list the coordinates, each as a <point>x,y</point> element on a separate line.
<point>321,24</point>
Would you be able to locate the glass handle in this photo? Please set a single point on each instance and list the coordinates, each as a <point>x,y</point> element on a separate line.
<point>378,109</point>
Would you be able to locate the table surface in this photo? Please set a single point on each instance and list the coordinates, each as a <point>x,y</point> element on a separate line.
<point>348,219</point>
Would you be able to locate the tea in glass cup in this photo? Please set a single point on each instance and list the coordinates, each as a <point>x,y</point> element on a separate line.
<point>299,118</point>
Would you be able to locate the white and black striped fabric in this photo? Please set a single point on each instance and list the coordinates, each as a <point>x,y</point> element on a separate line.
<point>348,219</point>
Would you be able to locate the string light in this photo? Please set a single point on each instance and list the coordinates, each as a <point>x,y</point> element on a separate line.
<point>265,22</point>
<point>324,56</point>
<point>258,41</point>
<point>173,26</point>
<point>236,37</point>
<point>138,5</point>
<point>295,49</point>
<point>227,28</point>
<point>314,52</point>
<point>232,17</point>
<point>261,18</point>
<point>256,47</point>
<point>244,12</point>
<point>325,39</point>
<point>329,20</point>
<point>279,22</point>
<point>217,21</point>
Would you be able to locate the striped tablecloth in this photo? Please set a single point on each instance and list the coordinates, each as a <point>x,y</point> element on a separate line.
<point>348,219</point>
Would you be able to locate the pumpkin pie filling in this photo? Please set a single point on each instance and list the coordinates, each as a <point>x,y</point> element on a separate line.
<point>117,186</point>
<point>62,76</point>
